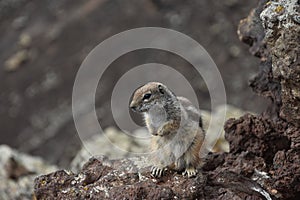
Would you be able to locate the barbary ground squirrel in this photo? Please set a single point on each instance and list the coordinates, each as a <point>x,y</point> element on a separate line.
<point>176,128</point>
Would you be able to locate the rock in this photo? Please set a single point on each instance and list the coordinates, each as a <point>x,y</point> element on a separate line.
<point>17,172</point>
<point>20,22</point>
<point>101,178</point>
<point>23,55</point>
<point>25,40</point>
<point>259,143</point>
<point>251,32</point>
<point>113,144</point>
<point>283,42</point>
<point>270,142</point>
<point>216,140</point>
<point>274,35</point>
<point>16,60</point>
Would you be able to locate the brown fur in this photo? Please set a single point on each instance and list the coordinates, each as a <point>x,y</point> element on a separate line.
<point>174,123</point>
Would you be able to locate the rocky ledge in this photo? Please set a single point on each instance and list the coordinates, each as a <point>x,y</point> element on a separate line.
<point>101,178</point>
<point>263,163</point>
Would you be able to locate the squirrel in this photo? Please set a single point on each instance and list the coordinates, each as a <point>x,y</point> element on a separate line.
<point>176,128</point>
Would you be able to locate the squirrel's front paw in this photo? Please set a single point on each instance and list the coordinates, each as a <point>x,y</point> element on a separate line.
<point>157,171</point>
<point>161,131</point>
<point>164,129</point>
<point>190,172</point>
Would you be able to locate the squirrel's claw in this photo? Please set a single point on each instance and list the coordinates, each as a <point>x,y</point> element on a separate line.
<point>164,129</point>
<point>157,171</point>
<point>161,131</point>
<point>190,172</point>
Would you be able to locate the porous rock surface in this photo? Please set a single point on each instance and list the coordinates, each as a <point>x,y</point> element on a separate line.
<point>273,32</point>
<point>101,178</point>
<point>283,42</point>
<point>273,138</point>
<point>17,173</point>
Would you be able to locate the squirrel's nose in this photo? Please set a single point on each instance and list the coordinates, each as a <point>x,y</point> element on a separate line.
<point>133,108</point>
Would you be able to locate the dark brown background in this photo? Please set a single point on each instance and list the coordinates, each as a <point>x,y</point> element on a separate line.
<point>35,99</point>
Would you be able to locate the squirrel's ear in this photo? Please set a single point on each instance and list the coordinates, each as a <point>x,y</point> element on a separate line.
<point>161,89</point>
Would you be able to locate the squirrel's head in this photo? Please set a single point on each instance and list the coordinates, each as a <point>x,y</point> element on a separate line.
<point>149,95</point>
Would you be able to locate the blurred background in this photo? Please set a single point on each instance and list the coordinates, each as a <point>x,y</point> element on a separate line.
<point>43,43</point>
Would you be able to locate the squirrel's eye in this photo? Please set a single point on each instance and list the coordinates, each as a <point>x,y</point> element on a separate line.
<point>146,96</point>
